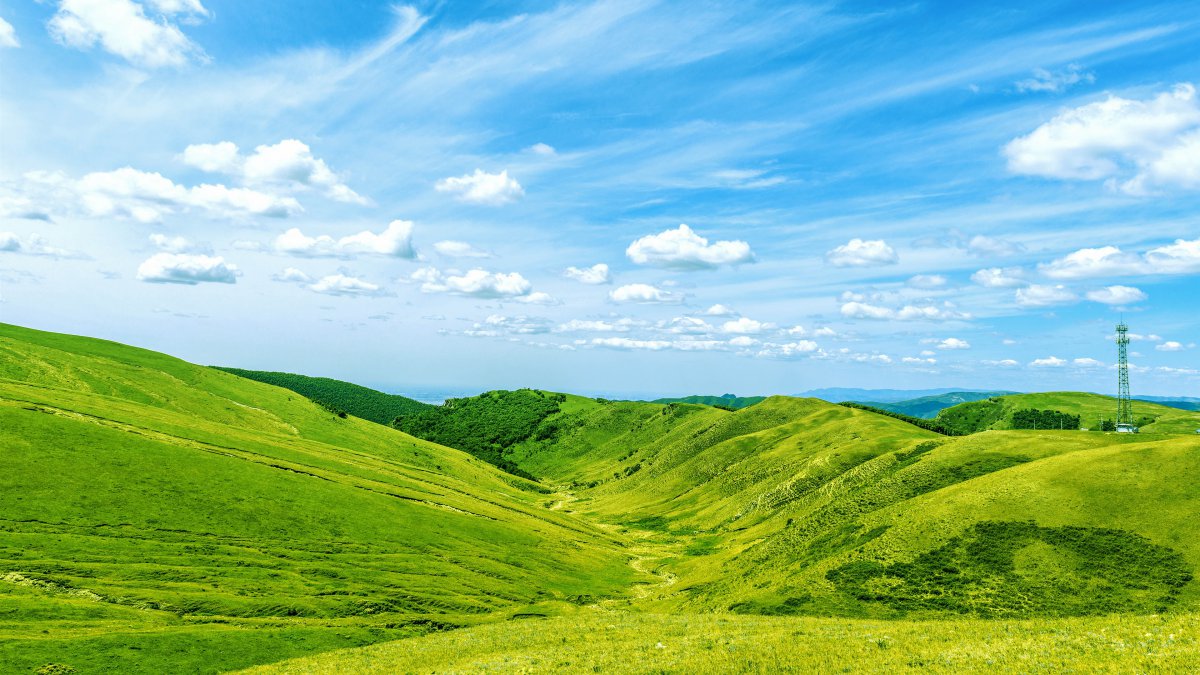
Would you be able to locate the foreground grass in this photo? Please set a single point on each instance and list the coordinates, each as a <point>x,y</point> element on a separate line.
<point>617,642</point>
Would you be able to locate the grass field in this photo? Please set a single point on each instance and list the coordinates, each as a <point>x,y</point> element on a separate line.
<point>648,643</point>
<point>173,504</point>
<point>157,516</point>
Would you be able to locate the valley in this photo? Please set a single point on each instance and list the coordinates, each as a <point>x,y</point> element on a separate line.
<point>159,516</point>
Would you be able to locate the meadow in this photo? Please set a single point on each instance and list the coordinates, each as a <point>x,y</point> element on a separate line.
<point>159,516</point>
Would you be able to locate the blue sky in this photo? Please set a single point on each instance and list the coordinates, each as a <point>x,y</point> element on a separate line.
<point>622,198</point>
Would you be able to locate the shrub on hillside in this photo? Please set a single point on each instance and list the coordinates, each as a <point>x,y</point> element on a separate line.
<point>1032,418</point>
<point>340,397</point>
<point>487,425</point>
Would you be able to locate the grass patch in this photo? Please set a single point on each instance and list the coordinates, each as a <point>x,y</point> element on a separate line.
<point>1007,569</point>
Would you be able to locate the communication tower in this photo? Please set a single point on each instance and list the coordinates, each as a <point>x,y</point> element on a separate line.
<point>1124,404</point>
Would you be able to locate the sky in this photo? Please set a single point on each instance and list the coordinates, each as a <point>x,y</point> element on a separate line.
<point>622,198</point>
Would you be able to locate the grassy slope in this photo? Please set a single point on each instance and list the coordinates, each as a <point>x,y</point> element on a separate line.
<point>1090,407</point>
<point>371,405</point>
<point>768,509</point>
<point>149,507</point>
<point>619,642</point>
<point>791,506</point>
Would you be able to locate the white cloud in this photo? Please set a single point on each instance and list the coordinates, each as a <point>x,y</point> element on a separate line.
<point>538,298</point>
<point>1139,146</point>
<point>1117,295</point>
<point>122,28</point>
<point>1093,262</point>
<point>641,293</point>
<point>1003,363</point>
<point>177,244</point>
<point>293,276</point>
<point>596,274</point>
<point>862,310</point>
<point>797,347</point>
<point>746,326</point>
<point>594,326</point>
<point>291,163</point>
<point>919,361</point>
<point>952,343</point>
<point>148,196</point>
<point>1046,81</point>
<point>1169,346</point>
<point>34,244</point>
<point>1036,295</point>
<point>1180,257</point>
<point>341,284</point>
<point>395,241</point>
<point>927,281</point>
<point>8,35</point>
<point>497,325</point>
<point>998,277</point>
<point>825,332</point>
<point>459,249</point>
<point>181,268</point>
<point>983,245</point>
<point>720,310</point>
<point>477,283</point>
<point>488,189</point>
<point>1087,363</point>
<point>860,253</point>
<point>220,157</point>
<point>288,164</point>
<point>687,325</point>
<point>542,149</point>
<point>1048,362</point>
<point>627,343</point>
<point>683,249</point>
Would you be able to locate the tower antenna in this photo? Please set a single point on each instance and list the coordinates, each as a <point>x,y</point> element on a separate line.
<point>1124,403</point>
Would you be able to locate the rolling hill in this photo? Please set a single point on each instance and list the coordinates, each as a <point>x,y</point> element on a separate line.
<point>996,413</point>
<point>157,516</point>
<point>777,508</point>
<point>154,513</point>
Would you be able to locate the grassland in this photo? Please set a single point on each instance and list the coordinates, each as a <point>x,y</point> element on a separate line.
<point>996,413</point>
<point>608,642</point>
<point>149,507</point>
<point>157,516</point>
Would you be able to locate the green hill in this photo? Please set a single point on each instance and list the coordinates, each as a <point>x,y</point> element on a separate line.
<point>724,401</point>
<point>484,425</point>
<point>369,404</point>
<point>997,412</point>
<point>929,406</point>
<point>776,508</point>
<point>157,516</point>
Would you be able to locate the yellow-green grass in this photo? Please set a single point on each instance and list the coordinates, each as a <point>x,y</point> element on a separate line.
<point>159,516</point>
<point>1091,408</point>
<point>769,509</point>
<point>613,642</point>
<point>145,495</point>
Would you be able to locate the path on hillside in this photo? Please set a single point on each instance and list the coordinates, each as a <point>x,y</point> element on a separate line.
<point>644,551</point>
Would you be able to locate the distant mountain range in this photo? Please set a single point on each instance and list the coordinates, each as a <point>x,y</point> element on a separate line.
<point>839,394</point>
